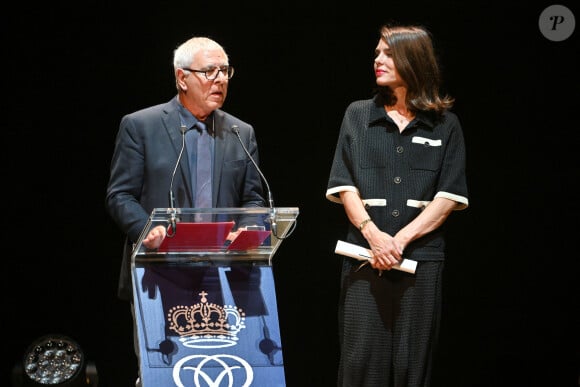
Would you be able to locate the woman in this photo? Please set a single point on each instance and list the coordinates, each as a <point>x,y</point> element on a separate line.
<point>399,172</point>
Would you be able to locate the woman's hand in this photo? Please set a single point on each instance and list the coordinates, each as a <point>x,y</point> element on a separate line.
<point>386,250</point>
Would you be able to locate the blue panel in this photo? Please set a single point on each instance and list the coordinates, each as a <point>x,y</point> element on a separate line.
<point>206,325</point>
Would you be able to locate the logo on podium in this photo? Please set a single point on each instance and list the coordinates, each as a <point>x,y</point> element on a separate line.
<point>206,325</point>
<point>212,370</point>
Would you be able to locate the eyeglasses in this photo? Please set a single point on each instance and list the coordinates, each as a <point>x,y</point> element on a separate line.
<point>213,72</point>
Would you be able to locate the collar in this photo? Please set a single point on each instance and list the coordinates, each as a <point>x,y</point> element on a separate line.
<point>189,120</point>
<point>378,114</point>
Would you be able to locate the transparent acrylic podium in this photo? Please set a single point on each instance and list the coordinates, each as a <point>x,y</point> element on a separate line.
<point>205,300</point>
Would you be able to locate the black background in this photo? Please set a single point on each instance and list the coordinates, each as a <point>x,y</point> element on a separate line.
<point>70,71</point>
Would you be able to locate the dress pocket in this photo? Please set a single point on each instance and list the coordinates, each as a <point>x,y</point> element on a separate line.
<point>426,153</point>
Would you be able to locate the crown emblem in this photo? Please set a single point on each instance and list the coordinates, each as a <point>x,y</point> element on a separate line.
<point>206,325</point>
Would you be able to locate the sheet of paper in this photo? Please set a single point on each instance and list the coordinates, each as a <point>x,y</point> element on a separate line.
<point>364,254</point>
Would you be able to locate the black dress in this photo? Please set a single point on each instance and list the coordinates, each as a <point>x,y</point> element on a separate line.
<point>388,323</point>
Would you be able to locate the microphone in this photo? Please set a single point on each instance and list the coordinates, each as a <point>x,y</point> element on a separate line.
<point>273,224</point>
<point>173,219</point>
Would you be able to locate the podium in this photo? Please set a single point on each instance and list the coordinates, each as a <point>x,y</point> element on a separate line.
<point>205,300</point>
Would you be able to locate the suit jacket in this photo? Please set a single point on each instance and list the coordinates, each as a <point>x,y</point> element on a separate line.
<point>146,151</point>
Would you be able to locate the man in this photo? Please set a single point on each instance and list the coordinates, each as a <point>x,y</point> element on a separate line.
<point>149,142</point>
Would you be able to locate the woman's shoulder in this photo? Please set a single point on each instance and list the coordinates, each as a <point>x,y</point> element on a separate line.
<point>450,118</point>
<point>360,106</point>
<point>449,115</point>
<point>361,103</point>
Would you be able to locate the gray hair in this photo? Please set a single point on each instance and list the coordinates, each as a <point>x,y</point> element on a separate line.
<point>183,55</point>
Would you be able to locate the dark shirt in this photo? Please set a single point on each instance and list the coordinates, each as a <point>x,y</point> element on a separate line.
<point>397,174</point>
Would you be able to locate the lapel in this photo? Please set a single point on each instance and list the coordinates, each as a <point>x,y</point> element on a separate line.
<point>221,134</point>
<point>172,123</point>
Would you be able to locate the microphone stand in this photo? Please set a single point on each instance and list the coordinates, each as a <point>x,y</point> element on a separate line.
<point>272,217</point>
<point>173,217</point>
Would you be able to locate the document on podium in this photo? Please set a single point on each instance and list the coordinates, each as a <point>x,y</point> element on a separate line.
<point>364,254</point>
<point>197,236</point>
<point>248,240</point>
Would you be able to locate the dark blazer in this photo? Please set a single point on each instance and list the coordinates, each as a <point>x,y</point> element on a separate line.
<point>146,150</point>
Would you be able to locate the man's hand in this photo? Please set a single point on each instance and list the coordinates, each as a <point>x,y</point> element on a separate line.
<point>155,237</point>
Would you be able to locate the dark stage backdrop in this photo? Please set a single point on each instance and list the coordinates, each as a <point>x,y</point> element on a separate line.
<point>71,72</point>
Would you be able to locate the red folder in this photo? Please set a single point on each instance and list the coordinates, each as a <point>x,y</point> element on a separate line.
<point>197,236</point>
<point>248,239</point>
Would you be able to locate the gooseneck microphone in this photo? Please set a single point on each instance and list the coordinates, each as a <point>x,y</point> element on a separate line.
<point>273,224</point>
<point>173,219</point>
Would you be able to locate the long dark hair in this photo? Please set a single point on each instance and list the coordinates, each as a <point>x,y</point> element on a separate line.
<point>414,59</point>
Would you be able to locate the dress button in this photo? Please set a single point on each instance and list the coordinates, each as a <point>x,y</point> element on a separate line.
<point>399,149</point>
<point>395,213</point>
<point>397,180</point>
